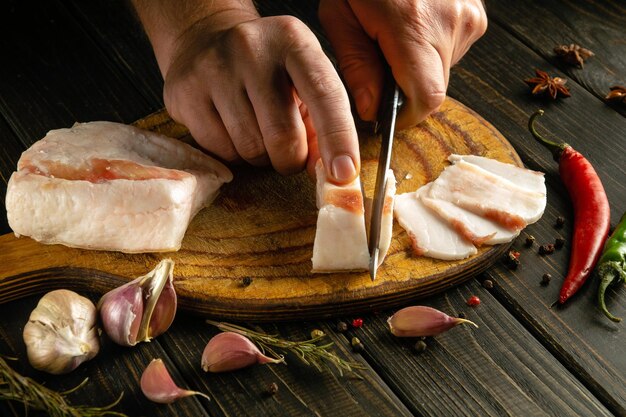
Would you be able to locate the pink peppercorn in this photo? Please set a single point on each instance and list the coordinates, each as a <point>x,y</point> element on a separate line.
<point>473,301</point>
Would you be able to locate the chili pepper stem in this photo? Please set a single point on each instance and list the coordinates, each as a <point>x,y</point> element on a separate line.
<point>609,273</point>
<point>554,147</point>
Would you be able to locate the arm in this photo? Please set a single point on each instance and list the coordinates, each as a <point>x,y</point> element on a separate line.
<point>252,88</point>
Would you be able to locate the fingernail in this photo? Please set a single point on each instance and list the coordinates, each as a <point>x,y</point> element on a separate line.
<point>363,100</point>
<point>343,168</point>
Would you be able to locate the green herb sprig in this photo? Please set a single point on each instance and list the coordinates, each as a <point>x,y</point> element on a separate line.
<point>308,351</point>
<point>16,387</point>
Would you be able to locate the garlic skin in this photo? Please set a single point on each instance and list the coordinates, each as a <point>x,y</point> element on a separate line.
<point>61,332</point>
<point>229,351</point>
<point>141,309</point>
<point>158,386</point>
<point>418,321</point>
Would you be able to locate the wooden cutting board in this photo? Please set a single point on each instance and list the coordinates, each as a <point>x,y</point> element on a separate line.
<point>261,230</point>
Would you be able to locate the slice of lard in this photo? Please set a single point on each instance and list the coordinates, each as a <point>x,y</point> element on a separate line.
<point>488,195</point>
<point>473,227</point>
<point>430,235</point>
<point>522,177</point>
<point>386,221</point>
<point>110,186</point>
<point>340,237</point>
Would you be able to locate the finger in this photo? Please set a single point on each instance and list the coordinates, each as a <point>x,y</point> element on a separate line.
<point>358,55</point>
<point>282,129</point>
<point>204,124</point>
<point>423,77</point>
<point>239,118</point>
<point>311,137</point>
<point>320,88</point>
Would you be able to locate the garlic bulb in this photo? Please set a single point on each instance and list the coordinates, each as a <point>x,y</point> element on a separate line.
<point>158,386</point>
<point>229,351</point>
<point>61,332</point>
<point>141,309</point>
<point>418,321</point>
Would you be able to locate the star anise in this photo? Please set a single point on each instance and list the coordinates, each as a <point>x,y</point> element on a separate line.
<point>573,54</point>
<point>544,85</point>
<point>616,95</point>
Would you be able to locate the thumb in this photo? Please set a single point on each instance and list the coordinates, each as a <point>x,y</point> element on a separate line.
<point>360,61</point>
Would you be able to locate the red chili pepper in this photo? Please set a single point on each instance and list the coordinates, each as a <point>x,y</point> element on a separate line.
<point>591,210</point>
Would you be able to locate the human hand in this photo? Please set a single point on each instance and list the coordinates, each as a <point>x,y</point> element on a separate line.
<point>420,39</point>
<point>262,90</point>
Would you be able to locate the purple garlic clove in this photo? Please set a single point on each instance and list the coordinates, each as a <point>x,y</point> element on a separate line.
<point>230,351</point>
<point>141,309</point>
<point>158,386</point>
<point>417,321</point>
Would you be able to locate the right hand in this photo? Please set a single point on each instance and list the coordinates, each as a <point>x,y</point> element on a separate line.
<point>262,90</point>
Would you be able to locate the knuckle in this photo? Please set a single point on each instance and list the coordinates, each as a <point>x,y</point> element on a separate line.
<point>291,27</point>
<point>218,146</point>
<point>245,39</point>
<point>474,19</point>
<point>250,147</point>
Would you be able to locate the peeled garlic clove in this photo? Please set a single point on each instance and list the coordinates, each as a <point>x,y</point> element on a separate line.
<point>158,386</point>
<point>230,351</point>
<point>141,309</point>
<point>419,321</point>
<point>61,332</point>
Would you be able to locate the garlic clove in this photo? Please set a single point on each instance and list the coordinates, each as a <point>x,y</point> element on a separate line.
<point>164,310</point>
<point>416,321</point>
<point>158,386</point>
<point>121,310</point>
<point>230,351</point>
<point>141,309</point>
<point>61,332</point>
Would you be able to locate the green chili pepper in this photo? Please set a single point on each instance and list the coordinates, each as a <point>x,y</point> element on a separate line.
<point>612,264</point>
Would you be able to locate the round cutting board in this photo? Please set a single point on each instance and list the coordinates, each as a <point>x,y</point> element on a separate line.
<point>248,255</point>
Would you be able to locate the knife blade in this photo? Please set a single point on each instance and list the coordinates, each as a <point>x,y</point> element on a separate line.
<point>386,126</point>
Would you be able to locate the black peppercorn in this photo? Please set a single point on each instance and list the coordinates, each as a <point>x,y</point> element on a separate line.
<point>488,284</point>
<point>546,249</point>
<point>420,346</point>
<point>560,221</point>
<point>530,240</point>
<point>272,389</point>
<point>342,327</point>
<point>246,281</point>
<point>545,279</point>
<point>559,242</point>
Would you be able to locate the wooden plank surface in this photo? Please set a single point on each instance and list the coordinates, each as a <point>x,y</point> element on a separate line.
<point>489,79</point>
<point>578,334</point>
<point>595,25</point>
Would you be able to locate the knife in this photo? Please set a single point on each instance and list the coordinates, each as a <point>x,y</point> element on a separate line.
<point>386,126</point>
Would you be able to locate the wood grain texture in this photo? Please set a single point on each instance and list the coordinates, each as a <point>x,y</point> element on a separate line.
<point>262,226</point>
<point>596,25</point>
<point>579,335</point>
<point>497,369</point>
<point>114,371</point>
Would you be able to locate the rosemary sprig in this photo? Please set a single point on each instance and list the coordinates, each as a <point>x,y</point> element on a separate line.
<point>16,387</point>
<point>308,351</point>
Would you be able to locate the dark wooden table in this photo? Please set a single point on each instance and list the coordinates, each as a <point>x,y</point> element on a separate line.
<point>68,60</point>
